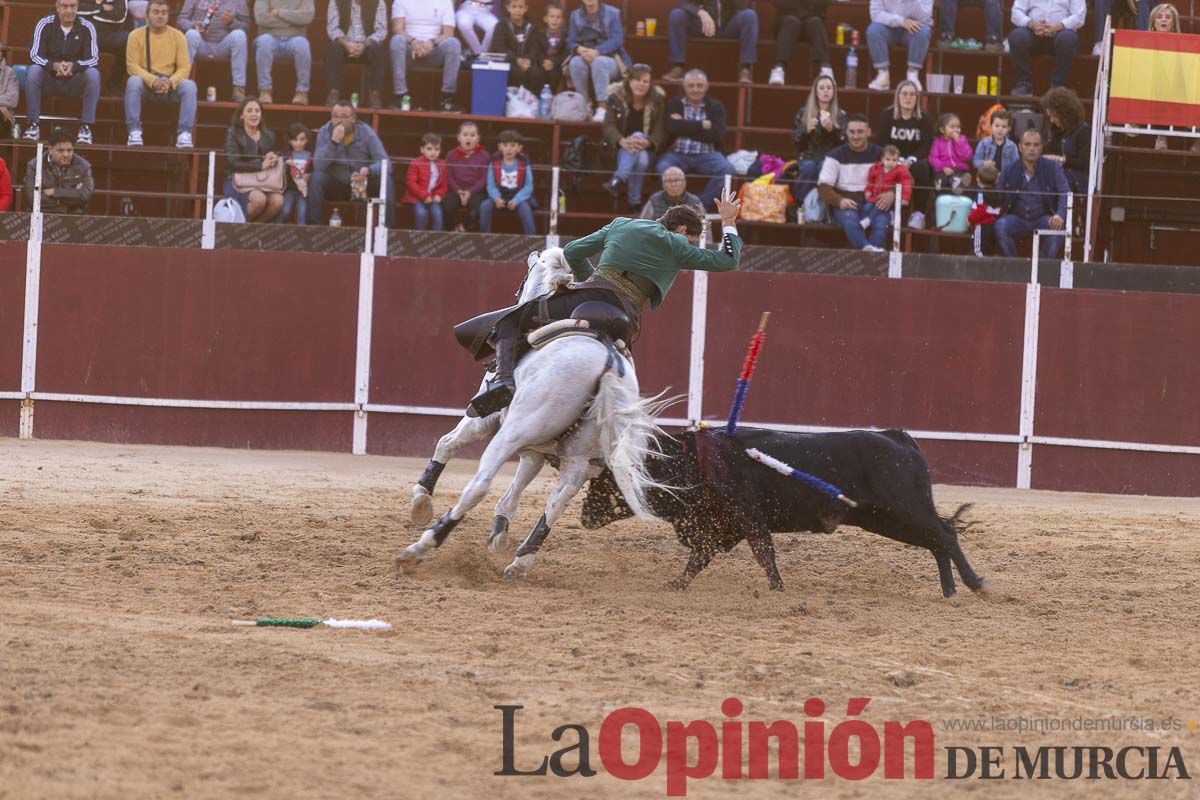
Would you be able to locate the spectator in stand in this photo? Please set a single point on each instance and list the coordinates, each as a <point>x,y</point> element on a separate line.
<point>731,19</point>
<point>6,190</point>
<point>299,161</point>
<point>950,156</point>
<point>1070,136</point>
<point>796,20</point>
<point>596,44</point>
<point>696,124</point>
<point>906,126</point>
<point>993,26</point>
<point>466,177</point>
<point>515,38</point>
<point>217,30</point>
<point>346,149</point>
<point>986,210</point>
<point>357,30</point>
<point>820,127</point>
<point>1164,18</point>
<point>550,45</point>
<point>250,147</point>
<point>66,61</point>
<point>885,178</point>
<point>843,184</point>
<point>509,185</point>
<point>283,33</point>
<point>111,20</point>
<point>472,14</point>
<point>1033,194</point>
<point>1140,9</point>
<point>899,23</point>
<point>166,81</point>
<point>1044,26</point>
<point>674,193</point>
<point>634,130</point>
<point>425,184</point>
<point>10,92</point>
<point>423,34</point>
<point>997,149</point>
<point>67,183</point>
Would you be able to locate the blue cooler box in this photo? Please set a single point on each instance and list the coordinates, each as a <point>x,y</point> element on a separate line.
<point>489,87</point>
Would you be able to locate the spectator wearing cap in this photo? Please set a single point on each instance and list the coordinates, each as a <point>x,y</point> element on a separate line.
<point>217,30</point>
<point>67,183</point>
<point>731,19</point>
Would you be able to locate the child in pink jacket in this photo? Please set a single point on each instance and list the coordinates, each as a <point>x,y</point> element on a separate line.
<point>950,156</point>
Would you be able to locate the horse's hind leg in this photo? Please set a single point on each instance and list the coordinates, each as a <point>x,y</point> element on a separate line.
<point>468,429</point>
<point>531,464</point>
<point>574,472</point>
<point>499,450</point>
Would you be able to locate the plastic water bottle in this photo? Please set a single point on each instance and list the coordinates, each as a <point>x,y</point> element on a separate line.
<point>335,219</point>
<point>544,101</point>
<point>852,68</point>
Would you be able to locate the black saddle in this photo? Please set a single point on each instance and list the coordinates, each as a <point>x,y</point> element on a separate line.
<point>605,318</point>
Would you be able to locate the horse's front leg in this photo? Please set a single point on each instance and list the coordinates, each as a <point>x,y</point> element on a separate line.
<point>531,464</point>
<point>468,429</point>
<point>573,473</point>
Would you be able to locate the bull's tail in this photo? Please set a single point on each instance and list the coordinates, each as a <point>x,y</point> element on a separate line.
<point>956,522</point>
<point>627,435</point>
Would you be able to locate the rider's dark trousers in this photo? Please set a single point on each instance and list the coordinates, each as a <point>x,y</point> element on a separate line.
<point>524,319</point>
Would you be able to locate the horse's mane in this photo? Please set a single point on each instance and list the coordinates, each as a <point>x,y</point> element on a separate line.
<point>548,270</point>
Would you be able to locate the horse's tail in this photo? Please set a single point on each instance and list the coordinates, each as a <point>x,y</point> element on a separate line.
<point>627,434</point>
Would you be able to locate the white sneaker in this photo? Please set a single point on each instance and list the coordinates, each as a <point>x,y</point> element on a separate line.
<point>881,83</point>
<point>1097,48</point>
<point>827,70</point>
<point>32,133</point>
<point>599,115</point>
<point>84,136</point>
<point>915,77</point>
<point>776,78</point>
<point>917,221</point>
<point>872,249</point>
<point>184,140</point>
<point>135,139</point>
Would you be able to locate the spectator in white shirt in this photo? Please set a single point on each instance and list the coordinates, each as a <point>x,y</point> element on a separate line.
<point>423,34</point>
<point>1048,27</point>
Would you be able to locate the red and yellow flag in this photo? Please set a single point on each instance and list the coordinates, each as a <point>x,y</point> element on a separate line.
<point>1155,79</point>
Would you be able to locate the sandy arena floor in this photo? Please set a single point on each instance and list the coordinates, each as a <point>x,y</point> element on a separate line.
<point>120,676</point>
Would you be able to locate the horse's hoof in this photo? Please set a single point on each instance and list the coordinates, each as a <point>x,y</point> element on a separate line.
<point>776,587</point>
<point>421,512</point>
<point>412,556</point>
<point>519,568</point>
<point>499,534</point>
<point>984,590</point>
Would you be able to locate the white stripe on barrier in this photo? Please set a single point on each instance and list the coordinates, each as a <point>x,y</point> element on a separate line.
<point>12,395</point>
<point>696,355</point>
<point>1029,354</point>
<point>362,352</point>
<point>1102,444</point>
<point>171,402</point>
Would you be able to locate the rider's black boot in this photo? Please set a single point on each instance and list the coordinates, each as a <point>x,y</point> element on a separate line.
<point>499,391</point>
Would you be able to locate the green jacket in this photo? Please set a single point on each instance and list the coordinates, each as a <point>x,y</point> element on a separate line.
<point>644,247</point>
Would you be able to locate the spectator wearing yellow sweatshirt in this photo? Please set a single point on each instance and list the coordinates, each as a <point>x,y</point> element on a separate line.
<point>158,63</point>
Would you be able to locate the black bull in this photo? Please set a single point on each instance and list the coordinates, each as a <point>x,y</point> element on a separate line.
<point>722,496</point>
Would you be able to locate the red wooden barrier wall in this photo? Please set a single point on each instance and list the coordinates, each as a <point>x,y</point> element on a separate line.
<point>841,351</point>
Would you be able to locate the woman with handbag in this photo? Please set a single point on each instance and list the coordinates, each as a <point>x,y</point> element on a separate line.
<point>634,131</point>
<point>254,172</point>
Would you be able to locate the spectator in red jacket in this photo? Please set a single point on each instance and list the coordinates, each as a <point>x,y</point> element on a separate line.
<point>467,168</point>
<point>6,193</point>
<point>426,184</point>
<point>888,176</point>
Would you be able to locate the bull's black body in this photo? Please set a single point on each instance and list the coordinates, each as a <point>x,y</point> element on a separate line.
<point>723,496</point>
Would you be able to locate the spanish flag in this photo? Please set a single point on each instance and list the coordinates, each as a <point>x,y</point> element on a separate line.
<point>1155,79</point>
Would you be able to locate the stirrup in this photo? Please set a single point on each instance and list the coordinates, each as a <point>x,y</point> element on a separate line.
<point>488,402</point>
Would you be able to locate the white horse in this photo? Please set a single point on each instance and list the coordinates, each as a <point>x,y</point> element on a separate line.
<point>546,272</point>
<point>576,398</point>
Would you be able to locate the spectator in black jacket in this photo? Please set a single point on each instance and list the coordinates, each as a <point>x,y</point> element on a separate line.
<point>110,18</point>
<point>696,125</point>
<point>66,61</point>
<point>796,20</point>
<point>514,37</point>
<point>250,147</point>
<point>67,183</point>
<point>910,129</point>
<point>550,44</point>
<point>820,127</point>
<point>724,19</point>
<point>1070,137</point>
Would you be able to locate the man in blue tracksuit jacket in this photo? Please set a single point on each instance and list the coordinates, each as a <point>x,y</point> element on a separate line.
<point>1034,192</point>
